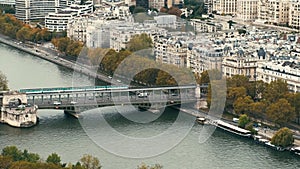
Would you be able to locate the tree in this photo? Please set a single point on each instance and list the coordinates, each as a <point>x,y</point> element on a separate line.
<point>3,82</point>
<point>258,109</point>
<point>283,137</point>
<point>30,157</point>
<point>233,93</point>
<point>54,158</point>
<point>243,120</point>
<point>174,11</point>
<point>90,162</point>
<point>275,90</point>
<point>13,152</point>
<point>281,112</point>
<point>242,105</point>
<point>139,42</point>
<point>144,166</point>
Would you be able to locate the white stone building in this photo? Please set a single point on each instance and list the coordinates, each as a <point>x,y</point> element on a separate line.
<point>202,57</point>
<point>205,26</point>
<point>288,71</point>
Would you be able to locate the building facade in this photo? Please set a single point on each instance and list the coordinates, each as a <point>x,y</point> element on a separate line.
<point>294,14</point>
<point>225,7</point>
<point>247,10</point>
<point>27,10</point>
<point>288,71</point>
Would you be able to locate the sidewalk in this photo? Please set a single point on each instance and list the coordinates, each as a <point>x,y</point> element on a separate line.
<point>268,133</point>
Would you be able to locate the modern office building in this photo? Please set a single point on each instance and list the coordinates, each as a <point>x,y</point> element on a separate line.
<point>27,10</point>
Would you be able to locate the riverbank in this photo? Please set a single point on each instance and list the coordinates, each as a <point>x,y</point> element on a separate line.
<point>51,57</point>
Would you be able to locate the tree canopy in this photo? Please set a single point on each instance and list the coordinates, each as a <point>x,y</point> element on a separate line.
<point>139,42</point>
<point>283,137</point>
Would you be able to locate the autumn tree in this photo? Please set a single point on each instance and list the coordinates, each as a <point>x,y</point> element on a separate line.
<point>174,11</point>
<point>139,42</point>
<point>281,112</point>
<point>283,137</point>
<point>242,105</point>
<point>90,162</point>
<point>275,90</point>
<point>3,82</point>
<point>258,109</point>
<point>233,93</point>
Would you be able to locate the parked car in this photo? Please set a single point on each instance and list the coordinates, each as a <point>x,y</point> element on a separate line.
<point>56,103</point>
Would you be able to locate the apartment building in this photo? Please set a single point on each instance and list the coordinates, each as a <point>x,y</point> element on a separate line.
<point>286,70</point>
<point>171,50</point>
<point>240,63</point>
<point>204,56</point>
<point>225,7</point>
<point>294,14</point>
<point>205,26</point>
<point>278,12</point>
<point>262,11</point>
<point>247,10</point>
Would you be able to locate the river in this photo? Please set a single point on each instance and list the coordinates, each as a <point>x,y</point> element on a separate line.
<point>65,135</point>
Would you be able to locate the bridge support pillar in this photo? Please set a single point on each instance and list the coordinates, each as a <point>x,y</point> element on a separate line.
<point>72,113</point>
<point>33,100</point>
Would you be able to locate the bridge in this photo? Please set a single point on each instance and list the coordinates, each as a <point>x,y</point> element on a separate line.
<point>75,99</point>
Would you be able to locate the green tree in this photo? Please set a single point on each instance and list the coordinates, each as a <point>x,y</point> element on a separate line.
<point>3,82</point>
<point>54,158</point>
<point>258,109</point>
<point>283,137</point>
<point>233,93</point>
<point>90,162</point>
<point>281,112</point>
<point>243,105</point>
<point>243,120</point>
<point>13,152</point>
<point>139,42</point>
<point>30,157</point>
<point>275,90</point>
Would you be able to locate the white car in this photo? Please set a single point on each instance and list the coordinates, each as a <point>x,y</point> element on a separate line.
<point>56,103</point>
<point>110,77</point>
<point>73,102</point>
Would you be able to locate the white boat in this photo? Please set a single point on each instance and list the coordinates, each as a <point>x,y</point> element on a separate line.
<point>270,145</point>
<point>296,150</point>
<point>201,120</point>
<point>232,128</point>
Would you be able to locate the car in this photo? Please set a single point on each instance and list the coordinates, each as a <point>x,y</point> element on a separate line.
<point>110,77</point>
<point>119,81</point>
<point>73,102</point>
<point>56,103</point>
